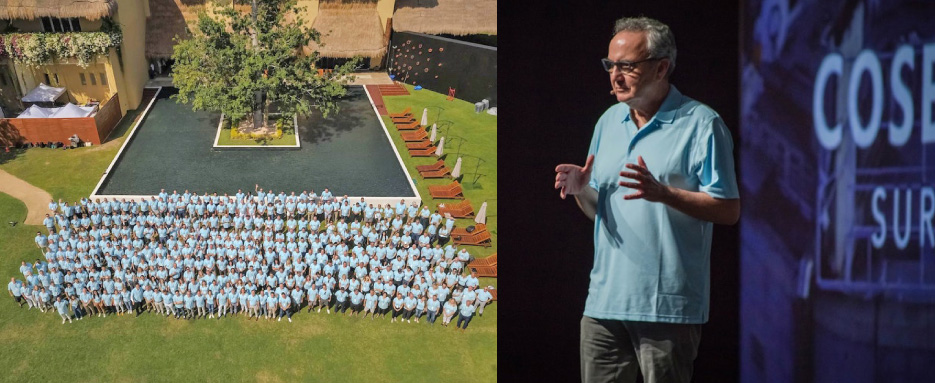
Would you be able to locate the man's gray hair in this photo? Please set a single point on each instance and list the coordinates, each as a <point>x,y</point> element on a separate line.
<point>660,41</point>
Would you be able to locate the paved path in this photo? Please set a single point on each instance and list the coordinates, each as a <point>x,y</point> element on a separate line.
<point>36,200</point>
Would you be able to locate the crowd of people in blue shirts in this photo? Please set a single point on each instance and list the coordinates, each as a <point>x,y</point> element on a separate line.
<point>260,256</point>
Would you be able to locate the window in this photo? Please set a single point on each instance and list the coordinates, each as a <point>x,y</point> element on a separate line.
<point>84,81</point>
<point>92,80</point>
<point>103,79</point>
<point>54,24</point>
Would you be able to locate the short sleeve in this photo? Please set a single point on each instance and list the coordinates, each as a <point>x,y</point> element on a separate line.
<point>595,143</point>
<point>714,156</point>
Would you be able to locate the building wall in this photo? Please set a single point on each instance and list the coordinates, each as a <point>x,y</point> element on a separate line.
<point>385,8</point>
<point>69,76</point>
<point>131,15</point>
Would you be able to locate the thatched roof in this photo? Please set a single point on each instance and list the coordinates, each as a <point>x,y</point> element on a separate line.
<point>349,31</point>
<point>169,18</point>
<point>455,17</point>
<point>33,9</point>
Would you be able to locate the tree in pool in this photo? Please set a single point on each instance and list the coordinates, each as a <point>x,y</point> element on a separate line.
<point>240,63</point>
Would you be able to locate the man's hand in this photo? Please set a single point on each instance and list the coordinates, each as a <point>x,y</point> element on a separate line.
<point>572,179</point>
<point>696,204</point>
<point>646,185</point>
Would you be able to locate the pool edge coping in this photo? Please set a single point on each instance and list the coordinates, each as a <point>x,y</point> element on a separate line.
<point>126,141</point>
<point>416,197</point>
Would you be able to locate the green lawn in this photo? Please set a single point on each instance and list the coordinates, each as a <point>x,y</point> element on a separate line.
<point>477,137</point>
<point>317,347</point>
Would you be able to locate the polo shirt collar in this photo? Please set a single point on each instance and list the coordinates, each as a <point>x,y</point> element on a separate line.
<point>668,109</point>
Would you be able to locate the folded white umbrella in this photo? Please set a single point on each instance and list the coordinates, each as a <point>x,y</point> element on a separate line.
<point>457,171</point>
<point>481,214</point>
<point>441,146</point>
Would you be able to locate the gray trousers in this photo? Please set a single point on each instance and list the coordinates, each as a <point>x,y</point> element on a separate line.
<point>615,351</point>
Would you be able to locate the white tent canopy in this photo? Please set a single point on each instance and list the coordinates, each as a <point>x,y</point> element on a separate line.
<point>43,93</point>
<point>71,110</point>
<point>34,112</point>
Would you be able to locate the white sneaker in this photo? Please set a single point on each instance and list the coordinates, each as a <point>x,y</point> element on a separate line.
<point>290,320</point>
<point>69,320</point>
<point>408,320</point>
<point>319,309</point>
<point>329,311</point>
<point>279,320</point>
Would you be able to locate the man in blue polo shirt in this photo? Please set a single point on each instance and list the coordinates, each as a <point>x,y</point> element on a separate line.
<point>659,172</point>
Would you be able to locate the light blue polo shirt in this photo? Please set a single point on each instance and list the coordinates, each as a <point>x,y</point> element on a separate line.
<point>652,262</point>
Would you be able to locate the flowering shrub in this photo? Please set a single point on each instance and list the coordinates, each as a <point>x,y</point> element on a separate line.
<point>42,48</point>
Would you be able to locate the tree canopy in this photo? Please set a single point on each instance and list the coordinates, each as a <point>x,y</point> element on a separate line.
<point>222,68</point>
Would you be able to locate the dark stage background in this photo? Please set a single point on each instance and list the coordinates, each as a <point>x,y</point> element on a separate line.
<point>553,91</point>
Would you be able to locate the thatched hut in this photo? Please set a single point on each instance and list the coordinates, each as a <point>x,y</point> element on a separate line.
<point>348,31</point>
<point>453,17</point>
<point>33,9</point>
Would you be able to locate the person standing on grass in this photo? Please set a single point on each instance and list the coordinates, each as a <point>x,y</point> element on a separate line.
<point>178,303</point>
<point>253,305</point>
<point>431,309</point>
<point>399,303</point>
<point>449,311</point>
<point>75,307</point>
<point>87,302</point>
<point>340,297</point>
<point>466,313</point>
<point>285,307</point>
<point>384,304</point>
<point>136,296</point>
<point>200,304</point>
<point>272,305</point>
<point>483,298</point>
<point>420,308</point>
<point>357,299</point>
<point>15,288</point>
<point>409,307</point>
<point>62,307</point>
<point>189,304</point>
<point>222,303</point>
<point>370,304</point>
<point>211,302</point>
<point>324,298</point>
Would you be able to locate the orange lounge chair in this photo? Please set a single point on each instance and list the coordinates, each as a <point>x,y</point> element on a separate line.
<point>424,152</point>
<point>484,262</point>
<point>419,145</point>
<point>436,166</point>
<point>450,191</point>
<point>440,173</point>
<point>460,231</point>
<point>457,210</point>
<point>417,135</point>
<point>411,126</point>
<point>407,112</point>
<point>474,238</point>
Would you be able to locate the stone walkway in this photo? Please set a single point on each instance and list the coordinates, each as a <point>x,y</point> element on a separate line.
<point>36,200</point>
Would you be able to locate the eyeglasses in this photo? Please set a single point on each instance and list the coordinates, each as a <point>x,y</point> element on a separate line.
<point>625,67</point>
